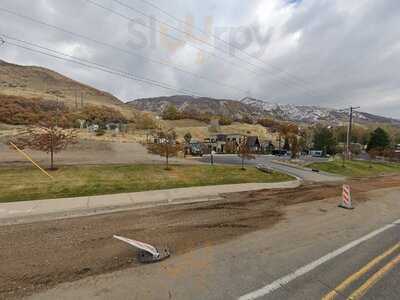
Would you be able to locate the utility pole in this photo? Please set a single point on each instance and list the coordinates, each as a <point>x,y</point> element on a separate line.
<point>76,100</point>
<point>279,142</point>
<point>349,128</point>
<point>57,111</point>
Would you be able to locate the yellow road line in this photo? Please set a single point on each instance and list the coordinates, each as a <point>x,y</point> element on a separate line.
<point>374,279</point>
<point>31,160</point>
<point>349,280</point>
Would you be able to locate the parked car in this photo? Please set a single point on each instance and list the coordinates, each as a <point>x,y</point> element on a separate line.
<point>317,153</point>
<point>196,149</point>
<point>279,152</point>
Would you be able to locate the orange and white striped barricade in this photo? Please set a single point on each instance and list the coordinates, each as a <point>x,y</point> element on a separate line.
<point>346,197</point>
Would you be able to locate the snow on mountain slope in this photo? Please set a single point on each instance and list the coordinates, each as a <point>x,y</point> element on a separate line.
<point>312,114</point>
<point>256,109</point>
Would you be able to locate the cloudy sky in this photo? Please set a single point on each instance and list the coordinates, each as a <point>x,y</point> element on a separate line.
<point>330,53</point>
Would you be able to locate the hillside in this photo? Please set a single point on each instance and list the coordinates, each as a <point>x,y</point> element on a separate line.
<point>188,104</point>
<point>257,109</point>
<point>313,114</point>
<point>41,83</point>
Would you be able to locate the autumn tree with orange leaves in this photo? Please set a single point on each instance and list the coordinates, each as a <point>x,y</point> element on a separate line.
<point>244,151</point>
<point>165,145</point>
<point>50,136</point>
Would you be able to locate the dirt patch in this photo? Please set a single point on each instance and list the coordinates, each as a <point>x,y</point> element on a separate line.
<point>40,255</point>
<point>89,152</point>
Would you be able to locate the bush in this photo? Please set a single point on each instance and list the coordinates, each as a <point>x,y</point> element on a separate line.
<point>171,113</point>
<point>28,111</point>
<point>269,123</point>
<point>247,119</point>
<point>145,121</point>
<point>224,121</point>
<point>100,115</point>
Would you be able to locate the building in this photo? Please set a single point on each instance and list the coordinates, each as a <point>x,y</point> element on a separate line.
<point>228,143</point>
<point>218,142</point>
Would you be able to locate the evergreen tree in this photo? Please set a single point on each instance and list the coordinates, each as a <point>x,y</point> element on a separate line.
<point>379,140</point>
<point>324,140</point>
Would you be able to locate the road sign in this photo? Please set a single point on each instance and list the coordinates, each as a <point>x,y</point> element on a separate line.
<point>147,253</point>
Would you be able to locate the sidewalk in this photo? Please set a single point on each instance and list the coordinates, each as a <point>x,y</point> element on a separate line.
<point>39,210</point>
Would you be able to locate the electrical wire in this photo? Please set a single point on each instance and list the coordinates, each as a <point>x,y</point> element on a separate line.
<point>93,65</point>
<point>128,52</point>
<point>222,40</point>
<point>293,79</point>
<point>288,85</point>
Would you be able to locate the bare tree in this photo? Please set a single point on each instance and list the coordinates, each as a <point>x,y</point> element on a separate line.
<point>244,151</point>
<point>188,139</point>
<point>48,136</point>
<point>372,154</point>
<point>165,145</point>
<point>295,146</point>
<point>290,133</point>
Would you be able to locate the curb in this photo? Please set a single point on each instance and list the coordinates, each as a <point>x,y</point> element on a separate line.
<point>86,210</point>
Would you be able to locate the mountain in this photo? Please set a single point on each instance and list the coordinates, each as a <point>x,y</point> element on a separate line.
<point>313,114</point>
<point>189,104</point>
<point>256,109</point>
<point>37,82</point>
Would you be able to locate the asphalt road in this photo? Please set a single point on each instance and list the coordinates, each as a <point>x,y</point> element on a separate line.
<point>367,271</point>
<point>269,162</point>
<point>316,250</point>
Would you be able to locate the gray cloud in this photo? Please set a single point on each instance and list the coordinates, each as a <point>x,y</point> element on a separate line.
<point>317,52</point>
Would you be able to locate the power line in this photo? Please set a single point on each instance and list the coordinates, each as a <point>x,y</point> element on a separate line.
<point>120,49</point>
<point>167,64</point>
<point>307,91</point>
<point>294,80</point>
<point>220,39</point>
<point>173,37</point>
<point>126,51</point>
<point>89,64</point>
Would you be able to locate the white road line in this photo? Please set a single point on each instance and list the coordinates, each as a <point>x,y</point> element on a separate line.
<point>307,268</point>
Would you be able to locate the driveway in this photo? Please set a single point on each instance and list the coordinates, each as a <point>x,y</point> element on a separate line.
<point>269,162</point>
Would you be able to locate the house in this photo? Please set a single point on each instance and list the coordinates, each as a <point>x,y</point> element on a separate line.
<point>218,142</point>
<point>228,143</point>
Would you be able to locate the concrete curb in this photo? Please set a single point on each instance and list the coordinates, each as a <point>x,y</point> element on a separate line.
<point>279,162</point>
<point>40,210</point>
